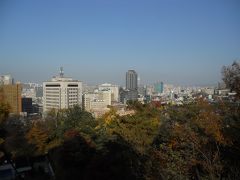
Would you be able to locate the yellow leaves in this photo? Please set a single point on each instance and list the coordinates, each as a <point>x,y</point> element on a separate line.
<point>38,137</point>
<point>108,119</point>
<point>110,116</point>
<point>137,130</point>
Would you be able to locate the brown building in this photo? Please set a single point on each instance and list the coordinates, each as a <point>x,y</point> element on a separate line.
<point>11,94</point>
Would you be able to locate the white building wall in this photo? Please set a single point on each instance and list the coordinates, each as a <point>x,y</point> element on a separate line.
<point>61,93</point>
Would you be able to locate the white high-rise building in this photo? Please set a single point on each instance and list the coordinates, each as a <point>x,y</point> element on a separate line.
<point>6,80</point>
<point>61,93</point>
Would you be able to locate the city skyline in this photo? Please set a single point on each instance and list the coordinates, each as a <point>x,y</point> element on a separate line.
<point>184,43</point>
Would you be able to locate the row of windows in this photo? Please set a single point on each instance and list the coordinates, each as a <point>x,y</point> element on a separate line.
<point>72,96</point>
<point>72,88</point>
<point>53,85</point>
<point>72,85</point>
<point>57,97</point>
<point>52,98</point>
<point>53,95</point>
<point>52,92</point>
<point>52,102</point>
<point>72,99</point>
<point>52,88</point>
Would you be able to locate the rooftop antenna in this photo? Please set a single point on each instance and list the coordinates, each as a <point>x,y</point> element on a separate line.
<point>61,72</point>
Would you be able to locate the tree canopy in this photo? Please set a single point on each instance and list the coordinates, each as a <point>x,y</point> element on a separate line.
<point>231,77</point>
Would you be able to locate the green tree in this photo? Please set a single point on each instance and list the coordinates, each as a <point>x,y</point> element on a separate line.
<point>139,129</point>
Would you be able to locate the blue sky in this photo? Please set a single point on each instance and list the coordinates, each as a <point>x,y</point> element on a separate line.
<point>175,41</point>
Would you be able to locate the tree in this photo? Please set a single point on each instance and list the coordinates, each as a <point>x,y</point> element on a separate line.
<point>70,160</point>
<point>4,112</point>
<point>78,158</point>
<point>139,129</point>
<point>118,160</point>
<point>15,142</point>
<point>190,141</point>
<point>231,77</point>
<point>38,136</point>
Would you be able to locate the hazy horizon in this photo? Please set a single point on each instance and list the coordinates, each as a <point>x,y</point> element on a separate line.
<point>177,42</point>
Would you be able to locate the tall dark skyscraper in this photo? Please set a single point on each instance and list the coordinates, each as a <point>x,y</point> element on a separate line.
<point>131,80</point>
<point>131,91</point>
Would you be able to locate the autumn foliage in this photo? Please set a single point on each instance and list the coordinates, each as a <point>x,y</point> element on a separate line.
<point>199,140</point>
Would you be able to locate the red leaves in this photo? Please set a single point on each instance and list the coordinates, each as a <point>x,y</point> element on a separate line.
<point>71,134</point>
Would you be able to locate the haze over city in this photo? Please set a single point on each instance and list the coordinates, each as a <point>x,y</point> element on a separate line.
<point>180,42</point>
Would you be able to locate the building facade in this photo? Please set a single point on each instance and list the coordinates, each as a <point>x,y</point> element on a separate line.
<point>97,101</point>
<point>131,91</point>
<point>6,80</point>
<point>27,106</point>
<point>158,87</point>
<point>114,91</point>
<point>131,80</point>
<point>61,93</point>
<point>12,95</point>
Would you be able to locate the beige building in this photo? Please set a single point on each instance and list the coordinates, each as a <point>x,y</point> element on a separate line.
<point>98,102</point>
<point>114,89</point>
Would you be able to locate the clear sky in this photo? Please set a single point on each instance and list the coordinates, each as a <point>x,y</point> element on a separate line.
<point>96,41</point>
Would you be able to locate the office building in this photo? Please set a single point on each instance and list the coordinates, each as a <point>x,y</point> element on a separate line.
<point>131,80</point>
<point>61,93</point>
<point>131,91</point>
<point>11,94</point>
<point>27,106</point>
<point>158,87</point>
